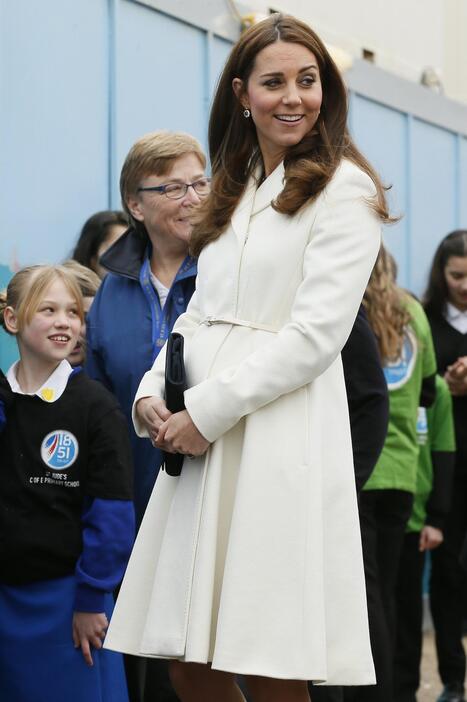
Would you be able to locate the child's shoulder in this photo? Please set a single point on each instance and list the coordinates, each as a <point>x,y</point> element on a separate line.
<point>6,393</point>
<point>91,393</point>
<point>6,398</point>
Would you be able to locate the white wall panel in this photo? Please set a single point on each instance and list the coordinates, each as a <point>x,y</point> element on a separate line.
<point>53,124</point>
<point>433,195</point>
<point>381,134</point>
<point>161,76</point>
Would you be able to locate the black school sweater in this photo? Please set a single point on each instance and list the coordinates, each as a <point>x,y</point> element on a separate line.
<point>54,456</point>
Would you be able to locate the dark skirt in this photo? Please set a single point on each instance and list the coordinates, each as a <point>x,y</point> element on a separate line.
<point>38,661</point>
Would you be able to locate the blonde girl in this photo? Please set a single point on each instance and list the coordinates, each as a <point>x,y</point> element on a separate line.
<point>66,516</point>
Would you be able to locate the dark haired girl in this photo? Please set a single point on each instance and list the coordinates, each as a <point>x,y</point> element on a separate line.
<point>98,234</point>
<point>446,307</point>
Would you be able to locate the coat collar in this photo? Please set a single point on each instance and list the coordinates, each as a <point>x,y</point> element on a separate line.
<point>126,255</point>
<point>129,252</point>
<point>256,198</point>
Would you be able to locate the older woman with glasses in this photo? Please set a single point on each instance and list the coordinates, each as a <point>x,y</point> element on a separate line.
<point>151,276</point>
<point>150,281</point>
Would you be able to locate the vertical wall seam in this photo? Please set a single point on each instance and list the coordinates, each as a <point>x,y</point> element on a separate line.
<point>208,70</point>
<point>112,101</point>
<point>458,183</point>
<point>409,192</point>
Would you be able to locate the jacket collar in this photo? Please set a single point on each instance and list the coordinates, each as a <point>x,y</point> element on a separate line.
<point>257,198</point>
<point>126,256</point>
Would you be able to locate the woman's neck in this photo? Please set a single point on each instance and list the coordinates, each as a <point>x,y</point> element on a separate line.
<point>166,259</point>
<point>31,373</point>
<point>272,157</point>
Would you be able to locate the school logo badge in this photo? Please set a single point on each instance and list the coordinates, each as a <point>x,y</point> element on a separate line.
<point>399,372</point>
<point>59,449</point>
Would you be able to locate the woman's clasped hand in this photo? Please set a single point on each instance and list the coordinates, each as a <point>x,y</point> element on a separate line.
<point>174,433</point>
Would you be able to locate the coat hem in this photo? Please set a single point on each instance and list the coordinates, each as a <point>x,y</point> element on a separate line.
<point>345,678</point>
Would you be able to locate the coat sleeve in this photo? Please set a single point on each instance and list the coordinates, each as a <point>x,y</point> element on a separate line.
<point>94,365</point>
<point>367,396</point>
<point>343,244</point>
<point>152,382</point>
<point>108,535</point>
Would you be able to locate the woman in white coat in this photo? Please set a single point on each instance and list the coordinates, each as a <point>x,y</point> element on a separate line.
<point>250,561</point>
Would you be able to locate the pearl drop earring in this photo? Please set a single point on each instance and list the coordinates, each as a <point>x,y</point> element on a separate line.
<point>246,113</point>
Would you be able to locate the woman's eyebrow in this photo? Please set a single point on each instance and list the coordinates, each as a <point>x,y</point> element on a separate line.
<point>180,180</point>
<point>280,73</point>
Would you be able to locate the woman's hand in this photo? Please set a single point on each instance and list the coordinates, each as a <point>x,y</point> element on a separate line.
<point>178,434</point>
<point>430,538</point>
<point>152,413</point>
<point>89,630</point>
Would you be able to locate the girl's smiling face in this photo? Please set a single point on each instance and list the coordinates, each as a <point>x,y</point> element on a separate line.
<point>284,96</point>
<point>53,330</point>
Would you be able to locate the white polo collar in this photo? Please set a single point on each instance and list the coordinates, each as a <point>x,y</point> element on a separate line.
<point>51,390</point>
<point>453,312</point>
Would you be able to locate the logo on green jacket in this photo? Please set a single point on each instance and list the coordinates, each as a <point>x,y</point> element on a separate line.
<point>400,371</point>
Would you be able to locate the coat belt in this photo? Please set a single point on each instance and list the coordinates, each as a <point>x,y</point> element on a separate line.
<point>239,323</point>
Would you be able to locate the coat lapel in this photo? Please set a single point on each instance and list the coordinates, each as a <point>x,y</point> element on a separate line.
<point>242,214</point>
<point>256,199</point>
<point>269,190</point>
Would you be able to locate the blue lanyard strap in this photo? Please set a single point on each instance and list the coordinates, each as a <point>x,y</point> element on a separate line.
<point>159,322</point>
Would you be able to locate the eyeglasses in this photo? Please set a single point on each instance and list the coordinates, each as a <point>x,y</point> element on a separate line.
<point>175,191</point>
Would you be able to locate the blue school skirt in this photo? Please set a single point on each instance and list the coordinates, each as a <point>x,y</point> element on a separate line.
<point>38,661</point>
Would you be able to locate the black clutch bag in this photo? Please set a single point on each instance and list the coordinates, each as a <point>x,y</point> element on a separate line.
<point>175,385</point>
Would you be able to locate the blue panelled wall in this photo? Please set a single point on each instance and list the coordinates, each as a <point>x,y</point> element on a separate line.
<point>81,81</point>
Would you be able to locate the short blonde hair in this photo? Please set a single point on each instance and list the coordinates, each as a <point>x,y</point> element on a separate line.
<point>86,278</point>
<point>27,288</point>
<point>154,154</point>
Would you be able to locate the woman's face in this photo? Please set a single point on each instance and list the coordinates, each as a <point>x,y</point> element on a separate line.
<point>455,274</point>
<point>284,96</point>
<point>166,219</point>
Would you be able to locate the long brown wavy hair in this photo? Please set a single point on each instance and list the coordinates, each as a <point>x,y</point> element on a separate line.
<point>233,145</point>
<point>385,304</point>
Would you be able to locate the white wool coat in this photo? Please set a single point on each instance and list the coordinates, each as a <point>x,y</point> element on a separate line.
<point>251,559</point>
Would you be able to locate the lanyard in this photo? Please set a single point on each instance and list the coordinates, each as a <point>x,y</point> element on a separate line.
<point>160,321</point>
